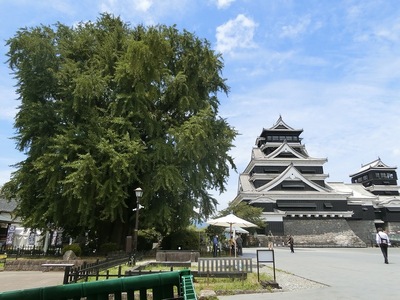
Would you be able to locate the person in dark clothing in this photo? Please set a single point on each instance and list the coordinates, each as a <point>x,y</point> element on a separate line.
<point>215,245</point>
<point>239,245</point>
<point>290,241</point>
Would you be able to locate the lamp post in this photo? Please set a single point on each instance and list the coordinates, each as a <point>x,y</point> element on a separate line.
<point>139,194</point>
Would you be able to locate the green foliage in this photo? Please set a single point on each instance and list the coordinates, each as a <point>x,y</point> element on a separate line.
<point>74,248</point>
<point>107,248</point>
<point>106,108</point>
<point>186,239</point>
<point>246,212</point>
<point>212,231</point>
<point>146,238</point>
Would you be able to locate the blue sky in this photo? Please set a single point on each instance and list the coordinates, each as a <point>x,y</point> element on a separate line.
<point>331,68</point>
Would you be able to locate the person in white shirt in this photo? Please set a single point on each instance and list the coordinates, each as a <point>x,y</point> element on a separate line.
<point>382,239</point>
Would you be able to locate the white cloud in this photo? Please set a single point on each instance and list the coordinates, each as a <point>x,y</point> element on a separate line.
<point>390,32</point>
<point>149,12</point>
<point>349,122</point>
<point>224,3</point>
<point>61,6</point>
<point>237,33</point>
<point>293,31</point>
<point>143,5</point>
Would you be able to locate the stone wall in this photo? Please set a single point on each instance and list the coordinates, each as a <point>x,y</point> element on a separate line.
<point>365,230</point>
<point>393,227</point>
<point>322,233</point>
<point>36,264</point>
<point>177,255</point>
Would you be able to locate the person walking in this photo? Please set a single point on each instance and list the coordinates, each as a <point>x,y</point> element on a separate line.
<point>239,245</point>
<point>270,240</point>
<point>215,245</point>
<point>382,239</point>
<point>232,246</point>
<point>291,243</point>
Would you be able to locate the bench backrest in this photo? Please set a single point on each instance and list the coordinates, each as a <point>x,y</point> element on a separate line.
<point>225,264</point>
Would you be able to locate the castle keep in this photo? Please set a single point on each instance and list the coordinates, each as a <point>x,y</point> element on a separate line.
<point>290,186</point>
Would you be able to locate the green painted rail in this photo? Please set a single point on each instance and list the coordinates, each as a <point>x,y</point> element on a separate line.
<point>167,285</point>
<point>188,291</point>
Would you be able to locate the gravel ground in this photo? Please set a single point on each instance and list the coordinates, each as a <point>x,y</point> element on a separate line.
<point>287,282</point>
<point>290,282</point>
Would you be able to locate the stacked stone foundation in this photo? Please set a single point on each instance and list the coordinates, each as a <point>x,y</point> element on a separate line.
<point>21,264</point>
<point>327,233</point>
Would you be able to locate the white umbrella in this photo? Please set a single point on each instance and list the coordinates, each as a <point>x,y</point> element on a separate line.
<point>229,221</point>
<point>236,229</point>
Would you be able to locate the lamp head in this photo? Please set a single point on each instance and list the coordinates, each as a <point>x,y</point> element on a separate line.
<point>139,192</point>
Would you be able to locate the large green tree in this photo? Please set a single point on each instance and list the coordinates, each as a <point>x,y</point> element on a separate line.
<point>106,108</point>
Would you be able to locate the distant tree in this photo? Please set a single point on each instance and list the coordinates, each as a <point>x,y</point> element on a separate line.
<point>212,231</point>
<point>184,239</point>
<point>246,212</point>
<point>106,108</point>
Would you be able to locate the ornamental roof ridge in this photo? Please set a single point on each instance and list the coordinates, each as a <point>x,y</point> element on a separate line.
<point>280,124</point>
<point>378,163</point>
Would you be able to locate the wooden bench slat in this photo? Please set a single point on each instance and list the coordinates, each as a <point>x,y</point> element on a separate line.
<point>224,267</point>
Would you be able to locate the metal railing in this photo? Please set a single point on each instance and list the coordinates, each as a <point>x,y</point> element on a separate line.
<point>83,272</point>
<point>169,285</point>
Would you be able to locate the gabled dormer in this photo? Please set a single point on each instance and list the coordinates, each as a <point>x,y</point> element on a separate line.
<point>286,151</point>
<point>292,180</point>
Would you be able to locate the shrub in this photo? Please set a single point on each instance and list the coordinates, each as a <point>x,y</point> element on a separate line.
<point>146,238</point>
<point>185,239</point>
<point>74,248</point>
<point>107,248</point>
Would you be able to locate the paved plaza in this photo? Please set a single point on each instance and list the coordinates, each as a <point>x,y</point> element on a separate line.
<point>346,274</point>
<point>17,280</point>
<point>353,273</point>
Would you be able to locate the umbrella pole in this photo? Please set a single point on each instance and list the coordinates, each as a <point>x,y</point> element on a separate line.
<point>234,241</point>
<point>230,235</point>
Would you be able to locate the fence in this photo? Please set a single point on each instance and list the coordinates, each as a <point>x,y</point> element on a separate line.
<point>75,274</point>
<point>224,267</point>
<point>171,285</point>
<point>30,251</point>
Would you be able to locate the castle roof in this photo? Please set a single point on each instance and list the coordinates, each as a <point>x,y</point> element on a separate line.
<point>374,165</point>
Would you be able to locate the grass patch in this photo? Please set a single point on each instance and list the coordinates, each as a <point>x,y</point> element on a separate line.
<point>230,286</point>
<point>2,261</point>
<point>222,286</point>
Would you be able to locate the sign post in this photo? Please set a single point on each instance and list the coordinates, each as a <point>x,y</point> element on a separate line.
<point>265,256</point>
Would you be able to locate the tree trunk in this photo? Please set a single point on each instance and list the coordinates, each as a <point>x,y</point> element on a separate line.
<point>114,232</point>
